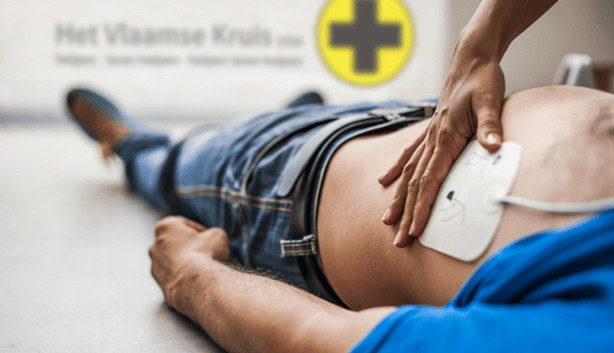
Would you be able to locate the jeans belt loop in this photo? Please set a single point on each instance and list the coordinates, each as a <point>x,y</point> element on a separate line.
<point>301,247</point>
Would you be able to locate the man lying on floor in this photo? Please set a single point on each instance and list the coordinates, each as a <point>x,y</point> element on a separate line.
<point>553,289</point>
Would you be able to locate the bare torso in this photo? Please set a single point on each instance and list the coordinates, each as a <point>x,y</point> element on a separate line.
<point>567,154</point>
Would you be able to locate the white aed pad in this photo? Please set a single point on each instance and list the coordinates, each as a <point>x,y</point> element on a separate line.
<point>468,209</point>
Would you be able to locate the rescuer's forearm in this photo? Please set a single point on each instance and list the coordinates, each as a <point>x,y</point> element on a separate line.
<point>496,23</point>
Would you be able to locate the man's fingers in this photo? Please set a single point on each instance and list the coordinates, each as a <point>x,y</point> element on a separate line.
<point>177,222</point>
<point>395,171</point>
<point>197,226</point>
<point>487,108</point>
<point>154,272</point>
<point>398,203</point>
<point>402,238</point>
<point>168,223</point>
<point>431,181</point>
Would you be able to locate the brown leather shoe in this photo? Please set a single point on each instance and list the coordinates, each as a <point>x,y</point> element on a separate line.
<point>100,119</point>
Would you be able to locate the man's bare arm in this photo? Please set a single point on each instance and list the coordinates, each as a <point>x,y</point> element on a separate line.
<point>245,312</point>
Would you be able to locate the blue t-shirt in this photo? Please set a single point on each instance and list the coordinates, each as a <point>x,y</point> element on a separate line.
<point>551,292</point>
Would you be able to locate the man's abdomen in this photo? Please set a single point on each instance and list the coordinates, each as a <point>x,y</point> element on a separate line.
<point>560,163</point>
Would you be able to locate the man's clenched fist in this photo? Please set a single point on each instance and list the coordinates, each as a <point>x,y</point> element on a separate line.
<point>179,246</point>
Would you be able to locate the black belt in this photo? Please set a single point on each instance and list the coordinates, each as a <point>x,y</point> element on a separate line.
<point>306,172</point>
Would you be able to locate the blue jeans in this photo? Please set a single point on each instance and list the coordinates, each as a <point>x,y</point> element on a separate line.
<point>229,180</point>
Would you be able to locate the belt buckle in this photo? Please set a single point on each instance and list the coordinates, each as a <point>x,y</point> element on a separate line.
<point>418,109</point>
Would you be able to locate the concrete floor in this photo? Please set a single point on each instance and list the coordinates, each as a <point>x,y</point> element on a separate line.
<point>74,269</point>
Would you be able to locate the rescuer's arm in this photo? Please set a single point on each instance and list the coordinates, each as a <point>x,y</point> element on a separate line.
<point>469,104</point>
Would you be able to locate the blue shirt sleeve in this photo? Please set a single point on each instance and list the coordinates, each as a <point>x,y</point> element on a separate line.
<point>555,326</point>
<point>550,292</point>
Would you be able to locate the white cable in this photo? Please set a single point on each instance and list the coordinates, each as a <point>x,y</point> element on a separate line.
<point>563,207</point>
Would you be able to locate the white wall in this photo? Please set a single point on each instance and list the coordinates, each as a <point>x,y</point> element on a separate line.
<point>32,81</point>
